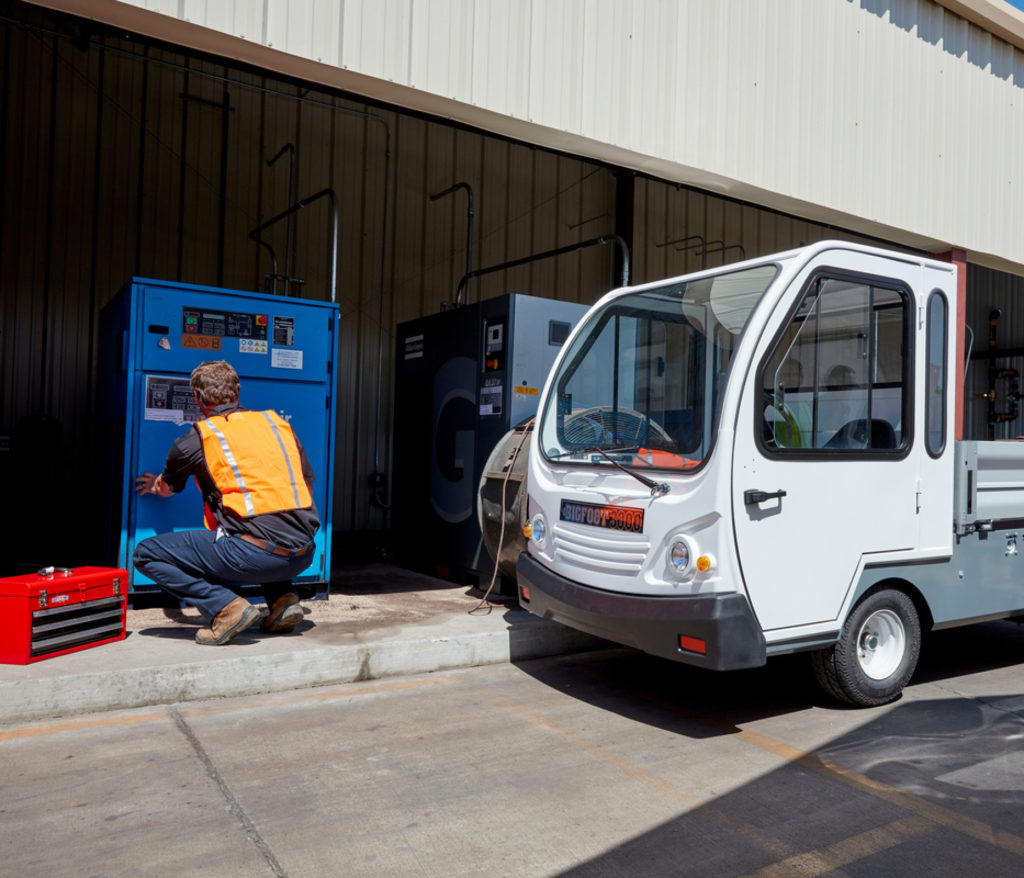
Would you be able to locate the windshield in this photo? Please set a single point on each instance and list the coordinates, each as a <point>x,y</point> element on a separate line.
<point>643,379</point>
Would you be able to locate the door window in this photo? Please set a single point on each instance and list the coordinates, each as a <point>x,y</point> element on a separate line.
<point>837,379</point>
<point>935,401</point>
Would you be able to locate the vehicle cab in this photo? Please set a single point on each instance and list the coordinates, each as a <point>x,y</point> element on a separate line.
<point>718,457</point>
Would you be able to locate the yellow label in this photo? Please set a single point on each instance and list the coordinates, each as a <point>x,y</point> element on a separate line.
<point>529,391</point>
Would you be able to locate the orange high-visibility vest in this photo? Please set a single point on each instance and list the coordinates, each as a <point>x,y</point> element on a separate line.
<point>254,462</point>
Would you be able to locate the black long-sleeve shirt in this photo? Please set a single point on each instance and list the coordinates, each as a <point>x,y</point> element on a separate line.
<point>291,529</point>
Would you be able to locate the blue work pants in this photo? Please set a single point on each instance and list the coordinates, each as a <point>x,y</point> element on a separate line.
<point>200,569</point>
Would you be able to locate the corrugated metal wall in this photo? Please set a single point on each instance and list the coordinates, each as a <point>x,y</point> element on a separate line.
<point>120,157</point>
<point>895,118</point>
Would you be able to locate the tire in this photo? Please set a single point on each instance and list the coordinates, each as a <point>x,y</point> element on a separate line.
<point>876,653</point>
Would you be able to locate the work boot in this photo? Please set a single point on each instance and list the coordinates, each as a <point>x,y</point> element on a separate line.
<point>235,617</point>
<point>285,614</point>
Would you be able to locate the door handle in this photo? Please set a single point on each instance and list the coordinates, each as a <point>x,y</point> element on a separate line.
<point>753,496</point>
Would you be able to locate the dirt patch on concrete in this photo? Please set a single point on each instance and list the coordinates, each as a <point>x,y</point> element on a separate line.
<point>362,597</point>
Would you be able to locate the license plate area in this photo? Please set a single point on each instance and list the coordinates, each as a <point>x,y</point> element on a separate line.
<point>621,518</point>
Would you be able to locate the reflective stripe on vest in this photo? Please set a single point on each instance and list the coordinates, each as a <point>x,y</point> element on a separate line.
<point>254,461</point>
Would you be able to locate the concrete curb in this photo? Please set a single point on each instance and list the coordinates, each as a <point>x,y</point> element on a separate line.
<point>42,691</point>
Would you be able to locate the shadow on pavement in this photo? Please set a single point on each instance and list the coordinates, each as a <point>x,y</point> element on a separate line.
<point>928,787</point>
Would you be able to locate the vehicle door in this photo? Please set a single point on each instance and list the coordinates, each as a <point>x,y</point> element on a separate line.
<point>823,469</point>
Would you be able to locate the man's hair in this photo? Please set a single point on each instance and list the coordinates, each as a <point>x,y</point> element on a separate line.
<point>215,382</point>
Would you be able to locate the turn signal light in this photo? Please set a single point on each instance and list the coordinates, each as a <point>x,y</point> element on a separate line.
<point>524,590</point>
<point>706,563</point>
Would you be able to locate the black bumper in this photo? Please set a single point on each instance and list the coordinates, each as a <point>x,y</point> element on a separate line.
<point>725,623</point>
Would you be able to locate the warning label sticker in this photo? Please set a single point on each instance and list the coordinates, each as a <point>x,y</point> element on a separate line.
<point>285,359</point>
<point>490,399</point>
<point>202,342</point>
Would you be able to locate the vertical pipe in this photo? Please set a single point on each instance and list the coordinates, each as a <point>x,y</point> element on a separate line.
<point>290,149</point>
<point>625,216</point>
<point>469,230</point>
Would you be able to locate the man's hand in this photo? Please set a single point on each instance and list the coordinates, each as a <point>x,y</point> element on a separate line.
<point>148,483</point>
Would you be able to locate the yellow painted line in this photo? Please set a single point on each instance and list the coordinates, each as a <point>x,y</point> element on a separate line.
<point>596,750</point>
<point>923,808</point>
<point>939,815</point>
<point>908,801</point>
<point>383,687</point>
<point>135,719</point>
<point>849,850</point>
<point>80,725</point>
<point>696,803</point>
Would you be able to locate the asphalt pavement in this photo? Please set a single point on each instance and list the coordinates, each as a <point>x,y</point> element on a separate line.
<point>378,621</point>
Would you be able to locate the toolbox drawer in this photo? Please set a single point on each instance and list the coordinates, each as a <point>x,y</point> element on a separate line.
<point>47,614</point>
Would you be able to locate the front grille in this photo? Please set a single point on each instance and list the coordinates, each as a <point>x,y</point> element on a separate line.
<point>62,628</point>
<point>619,554</point>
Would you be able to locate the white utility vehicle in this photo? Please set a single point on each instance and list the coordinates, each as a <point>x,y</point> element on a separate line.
<point>760,459</point>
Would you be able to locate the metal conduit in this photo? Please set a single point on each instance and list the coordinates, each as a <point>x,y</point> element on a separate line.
<point>469,223</point>
<point>290,149</point>
<point>593,242</point>
<point>329,193</point>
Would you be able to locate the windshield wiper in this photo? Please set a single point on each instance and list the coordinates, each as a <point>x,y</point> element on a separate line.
<point>573,452</point>
<point>657,488</point>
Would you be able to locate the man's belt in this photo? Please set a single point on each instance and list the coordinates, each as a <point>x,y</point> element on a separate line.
<point>273,549</point>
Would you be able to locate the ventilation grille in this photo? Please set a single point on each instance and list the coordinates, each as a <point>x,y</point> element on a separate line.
<point>621,554</point>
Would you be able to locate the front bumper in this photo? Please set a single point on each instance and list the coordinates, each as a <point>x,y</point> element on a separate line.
<point>724,623</point>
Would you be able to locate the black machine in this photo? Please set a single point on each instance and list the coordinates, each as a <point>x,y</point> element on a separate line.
<point>464,378</point>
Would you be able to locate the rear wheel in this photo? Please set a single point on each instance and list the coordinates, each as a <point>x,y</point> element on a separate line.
<point>876,653</point>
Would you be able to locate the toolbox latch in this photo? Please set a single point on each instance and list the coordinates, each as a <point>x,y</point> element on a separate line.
<point>117,585</point>
<point>44,599</point>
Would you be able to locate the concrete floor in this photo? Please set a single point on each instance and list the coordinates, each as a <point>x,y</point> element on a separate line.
<point>604,764</point>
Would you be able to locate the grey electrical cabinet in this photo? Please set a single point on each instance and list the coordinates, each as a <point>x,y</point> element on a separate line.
<point>464,378</point>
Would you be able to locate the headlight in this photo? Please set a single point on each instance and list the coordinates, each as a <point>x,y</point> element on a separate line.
<point>538,530</point>
<point>681,554</point>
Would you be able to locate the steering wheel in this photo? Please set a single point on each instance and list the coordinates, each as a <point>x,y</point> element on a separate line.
<point>603,423</point>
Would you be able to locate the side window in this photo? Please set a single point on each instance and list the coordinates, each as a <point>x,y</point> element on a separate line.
<point>935,401</point>
<point>837,379</point>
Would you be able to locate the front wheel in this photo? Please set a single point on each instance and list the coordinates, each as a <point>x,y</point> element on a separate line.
<point>876,653</point>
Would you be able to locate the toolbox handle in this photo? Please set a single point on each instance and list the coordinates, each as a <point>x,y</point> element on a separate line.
<point>48,572</point>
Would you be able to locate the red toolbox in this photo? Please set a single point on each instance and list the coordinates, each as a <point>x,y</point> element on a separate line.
<point>56,611</point>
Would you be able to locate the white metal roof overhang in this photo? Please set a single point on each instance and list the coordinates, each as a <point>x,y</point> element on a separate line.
<point>945,186</point>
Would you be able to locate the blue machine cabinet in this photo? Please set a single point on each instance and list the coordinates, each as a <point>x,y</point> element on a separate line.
<point>153,334</point>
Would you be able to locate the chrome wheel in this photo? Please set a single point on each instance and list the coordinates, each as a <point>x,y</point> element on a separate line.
<point>881,644</point>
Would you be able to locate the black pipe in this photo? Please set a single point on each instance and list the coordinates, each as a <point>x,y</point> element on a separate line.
<point>334,230</point>
<point>686,240</point>
<point>290,149</point>
<point>593,242</point>
<point>469,224</point>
